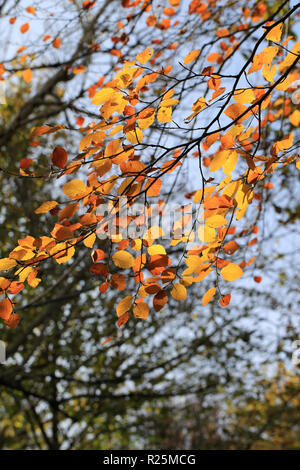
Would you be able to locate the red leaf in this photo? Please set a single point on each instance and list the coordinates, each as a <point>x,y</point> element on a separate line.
<point>59,157</point>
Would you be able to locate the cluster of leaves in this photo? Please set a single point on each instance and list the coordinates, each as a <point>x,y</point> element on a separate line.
<point>129,108</point>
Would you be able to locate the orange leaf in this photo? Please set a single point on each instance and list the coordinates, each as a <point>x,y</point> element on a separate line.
<point>40,131</point>
<point>56,43</point>
<point>235,110</point>
<point>27,75</point>
<point>208,296</point>
<point>213,57</point>
<point>5,309</point>
<point>13,320</point>
<point>225,300</point>
<point>144,56</point>
<point>24,28</point>
<point>191,56</point>
<point>123,319</point>
<point>117,281</point>
<point>141,310</point>
<point>30,10</point>
<point>153,187</point>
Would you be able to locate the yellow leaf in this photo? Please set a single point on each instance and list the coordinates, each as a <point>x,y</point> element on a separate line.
<point>289,59</point>
<point>123,259</point>
<point>285,84</point>
<point>265,57</point>
<point>141,310</point>
<point>144,123</point>
<point>62,252</point>
<point>144,56</point>
<point>136,245</point>
<point>7,263</point>
<point>208,296</point>
<point>197,107</point>
<point>230,163</point>
<point>191,56</point>
<point>219,160</point>
<point>90,240</point>
<point>275,33</point>
<point>74,188</point>
<point>124,305</point>
<point>24,273</point>
<point>135,136</point>
<point>206,234</point>
<point>244,96</point>
<point>156,250</point>
<point>295,118</point>
<point>103,95</point>
<point>231,272</point>
<point>268,72</point>
<point>86,142</point>
<point>46,207</point>
<point>164,114</point>
<point>178,292</point>
<point>216,221</point>
<point>284,144</point>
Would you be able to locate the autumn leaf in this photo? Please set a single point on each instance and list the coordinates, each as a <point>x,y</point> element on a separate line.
<point>275,32</point>
<point>178,292</point>
<point>235,110</point>
<point>40,131</point>
<point>159,300</point>
<point>164,114</point>
<point>225,300</point>
<point>74,188</point>
<point>46,207</point>
<point>231,272</point>
<point>216,221</point>
<point>30,10</point>
<point>191,56</point>
<point>56,43</point>
<point>123,259</point>
<point>208,296</point>
<point>5,309</point>
<point>24,28</point>
<point>141,310</point>
<point>7,263</point>
<point>103,95</point>
<point>59,157</point>
<point>144,56</point>
<point>13,320</point>
<point>90,240</point>
<point>135,136</point>
<point>27,75</point>
<point>153,187</point>
<point>124,305</point>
